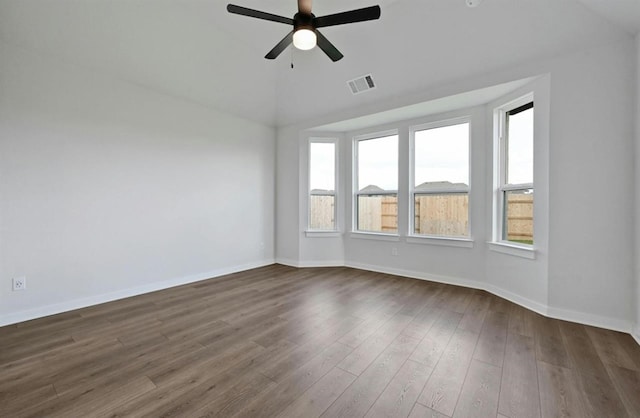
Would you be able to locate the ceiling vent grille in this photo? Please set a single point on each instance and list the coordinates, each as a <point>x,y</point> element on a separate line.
<point>360,84</point>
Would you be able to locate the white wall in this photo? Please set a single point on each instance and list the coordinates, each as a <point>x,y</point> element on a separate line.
<point>584,270</point>
<point>108,189</point>
<point>637,191</point>
<point>592,182</point>
<point>287,174</point>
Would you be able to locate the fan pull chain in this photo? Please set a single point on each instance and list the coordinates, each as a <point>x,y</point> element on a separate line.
<point>292,48</point>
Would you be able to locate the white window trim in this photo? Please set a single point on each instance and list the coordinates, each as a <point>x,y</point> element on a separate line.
<point>314,233</point>
<point>465,242</point>
<point>456,241</point>
<point>355,232</point>
<point>505,247</point>
<point>380,236</point>
<point>499,187</point>
<point>323,233</point>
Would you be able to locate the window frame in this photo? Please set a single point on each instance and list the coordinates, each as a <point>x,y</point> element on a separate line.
<point>412,166</point>
<point>501,187</point>
<point>355,166</point>
<point>336,227</point>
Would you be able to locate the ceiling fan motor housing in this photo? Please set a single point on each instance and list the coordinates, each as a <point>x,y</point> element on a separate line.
<point>303,21</point>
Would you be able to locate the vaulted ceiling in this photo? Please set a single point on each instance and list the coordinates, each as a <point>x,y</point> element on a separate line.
<point>195,50</point>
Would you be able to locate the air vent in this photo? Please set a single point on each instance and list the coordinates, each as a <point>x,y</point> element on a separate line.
<point>360,84</point>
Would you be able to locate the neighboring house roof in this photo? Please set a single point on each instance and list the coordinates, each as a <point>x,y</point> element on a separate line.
<point>372,189</point>
<point>434,186</point>
<point>322,192</point>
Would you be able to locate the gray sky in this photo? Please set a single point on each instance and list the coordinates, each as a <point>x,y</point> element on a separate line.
<point>441,154</point>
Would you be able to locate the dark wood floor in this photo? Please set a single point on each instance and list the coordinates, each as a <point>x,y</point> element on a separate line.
<point>279,341</point>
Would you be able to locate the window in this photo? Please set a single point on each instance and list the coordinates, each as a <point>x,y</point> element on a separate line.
<point>514,194</point>
<point>440,174</point>
<point>376,198</point>
<point>322,185</point>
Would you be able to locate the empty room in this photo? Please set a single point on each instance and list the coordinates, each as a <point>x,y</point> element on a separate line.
<point>393,208</point>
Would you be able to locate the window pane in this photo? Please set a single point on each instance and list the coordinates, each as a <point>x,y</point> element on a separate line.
<point>518,222</point>
<point>322,168</point>
<point>378,164</point>
<point>322,212</point>
<point>442,155</point>
<point>520,145</point>
<point>378,213</point>
<point>442,214</point>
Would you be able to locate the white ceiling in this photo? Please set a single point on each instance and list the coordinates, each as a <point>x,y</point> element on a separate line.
<point>625,13</point>
<point>194,49</point>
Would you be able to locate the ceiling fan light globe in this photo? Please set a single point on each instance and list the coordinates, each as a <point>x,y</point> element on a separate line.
<point>304,39</point>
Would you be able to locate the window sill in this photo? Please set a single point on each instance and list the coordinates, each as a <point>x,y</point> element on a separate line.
<point>512,249</point>
<point>322,234</point>
<point>444,241</point>
<point>379,236</point>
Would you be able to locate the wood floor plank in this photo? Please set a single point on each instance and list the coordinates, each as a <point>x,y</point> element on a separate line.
<point>443,387</point>
<point>234,399</point>
<point>12,403</point>
<point>423,322</point>
<point>434,343</point>
<point>271,342</point>
<point>608,348</point>
<point>519,396</point>
<point>368,327</point>
<point>627,383</point>
<point>320,396</point>
<point>473,317</point>
<point>92,402</point>
<point>421,411</point>
<point>274,400</point>
<point>188,367</point>
<point>47,365</point>
<point>493,339</point>
<point>362,394</point>
<point>361,357</point>
<point>480,392</point>
<point>559,395</point>
<point>521,321</point>
<point>401,394</point>
<point>550,347</point>
<point>582,353</point>
<point>600,396</point>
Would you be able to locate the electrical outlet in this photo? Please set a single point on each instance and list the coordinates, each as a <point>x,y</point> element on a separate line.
<point>394,251</point>
<point>19,283</point>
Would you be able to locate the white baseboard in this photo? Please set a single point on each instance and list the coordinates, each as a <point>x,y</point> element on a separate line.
<point>549,311</point>
<point>590,319</point>
<point>416,275</point>
<point>71,305</point>
<point>332,263</point>
<point>636,334</point>
<point>288,262</point>
<point>530,304</point>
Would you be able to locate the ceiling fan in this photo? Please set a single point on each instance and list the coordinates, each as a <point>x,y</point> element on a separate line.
<point>305,34</point>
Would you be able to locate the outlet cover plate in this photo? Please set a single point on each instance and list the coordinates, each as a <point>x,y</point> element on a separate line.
<point>19,283</point>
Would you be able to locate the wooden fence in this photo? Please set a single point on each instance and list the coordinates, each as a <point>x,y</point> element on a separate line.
<point>321,212</point>
<point>434,215</point>
<point>378,213</point>
<point>440,214</point>
<point>520,217</point>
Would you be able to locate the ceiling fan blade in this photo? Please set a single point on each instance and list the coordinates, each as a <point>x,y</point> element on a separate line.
<point>358,15</point>
<point>281,46</point>
<point>328,48</point>
<point>304,6</point>
<point>239,10</point>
